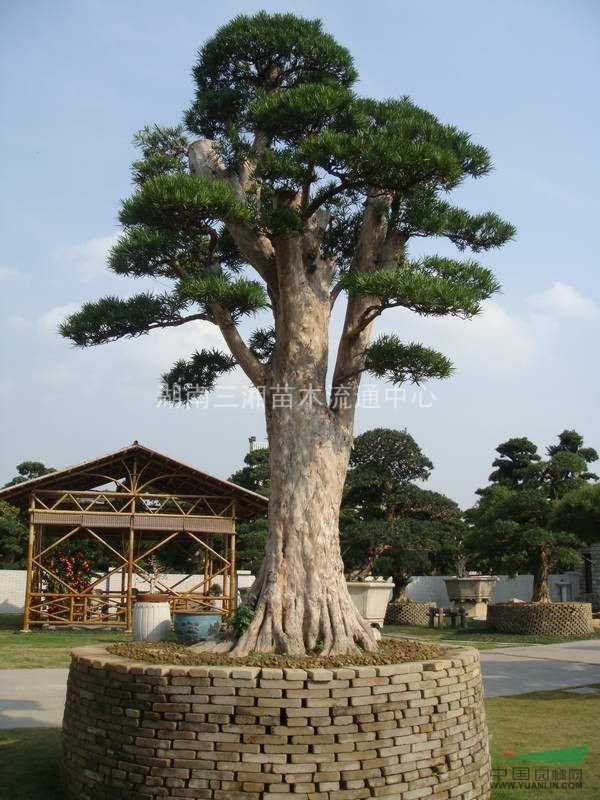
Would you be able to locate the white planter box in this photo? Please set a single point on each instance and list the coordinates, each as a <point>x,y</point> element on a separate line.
<point>371,599</point>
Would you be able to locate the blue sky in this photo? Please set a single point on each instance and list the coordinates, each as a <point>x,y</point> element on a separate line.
<point>79,77</point>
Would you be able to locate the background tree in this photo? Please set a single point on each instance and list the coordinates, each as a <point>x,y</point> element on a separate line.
<point>252,536</point>
<point>516,527</point>
<point>298,193</point>
<point>578,511</point>
<point>13,537</point>
<point>519,464</point>
<point>13,530</point>
<point>567,466</point>
<point>27,470</point>
<point>389,525</point>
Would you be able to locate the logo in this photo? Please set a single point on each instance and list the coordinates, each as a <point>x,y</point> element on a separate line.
<point>522,776</point>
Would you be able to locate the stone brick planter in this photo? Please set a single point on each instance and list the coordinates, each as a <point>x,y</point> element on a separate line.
<point>134,730</point>
<point>408,613</point>
<point>540,619</point>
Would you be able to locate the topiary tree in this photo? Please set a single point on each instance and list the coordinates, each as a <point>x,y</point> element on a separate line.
<point>520,524</point>
<point>27,470</point>
<point>298,193</point>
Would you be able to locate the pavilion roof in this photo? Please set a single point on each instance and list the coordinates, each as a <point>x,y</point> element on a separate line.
<point>162,473</point>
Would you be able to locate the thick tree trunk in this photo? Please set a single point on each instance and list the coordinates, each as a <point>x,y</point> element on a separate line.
<point>399,592</point>
<point>302,601</point>
<point>302,598</point>
<point>541,577</point>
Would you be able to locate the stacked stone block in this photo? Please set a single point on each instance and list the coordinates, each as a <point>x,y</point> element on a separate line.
<point>541,619</point>
<point>134,731</point>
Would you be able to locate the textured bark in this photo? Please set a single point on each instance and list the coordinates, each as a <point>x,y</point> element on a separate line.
<point>301,597</point>
<point>400,590</point>
<point>541,577</point>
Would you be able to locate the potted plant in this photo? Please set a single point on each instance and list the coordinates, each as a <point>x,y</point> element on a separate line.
<point>151,610</point>
<point>152,574</point>
<point>471,591</point>
<point>195,625</point>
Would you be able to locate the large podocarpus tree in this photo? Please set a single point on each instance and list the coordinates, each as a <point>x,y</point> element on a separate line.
<point>318,192</point>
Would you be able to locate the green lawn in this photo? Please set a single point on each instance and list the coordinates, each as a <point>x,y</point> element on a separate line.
<point>525,724</point>
<point>29,759</point>
<point>51,648</point>
<point>547,721</point>
<point>476,635</point>
<point>44,648</point>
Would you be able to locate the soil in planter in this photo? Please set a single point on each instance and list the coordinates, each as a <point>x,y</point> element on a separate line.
<point>388,652</point>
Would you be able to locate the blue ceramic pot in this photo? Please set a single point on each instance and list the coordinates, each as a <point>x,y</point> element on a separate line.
<point>193,626</point>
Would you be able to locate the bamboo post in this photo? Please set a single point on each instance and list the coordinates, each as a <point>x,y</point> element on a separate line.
<point>129,626</point>
<point>130,549</point>
<point>30,546</point>
<point>233,567</point>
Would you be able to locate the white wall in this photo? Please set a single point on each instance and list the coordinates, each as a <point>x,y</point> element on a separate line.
<point>433,588</point>
<point>13,582</point>
<point>12,590</point>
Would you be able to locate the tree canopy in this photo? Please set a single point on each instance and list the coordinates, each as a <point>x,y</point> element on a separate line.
<point>27,470</point>
<point>293,149</point>
<point>520,524</point>
<point>252,535</point>
<point>390,525</point>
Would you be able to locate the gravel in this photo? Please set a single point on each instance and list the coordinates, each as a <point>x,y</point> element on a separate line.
<point>388,652</point>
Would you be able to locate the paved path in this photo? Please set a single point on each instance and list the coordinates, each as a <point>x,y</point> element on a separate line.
<point>518,670</point>
<point>35,697</point>
<point>32,698</point>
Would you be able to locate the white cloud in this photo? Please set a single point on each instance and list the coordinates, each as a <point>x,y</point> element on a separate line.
<point>560,298</point>
<point>89,258</point>
<point>6,273</point>
<point>48,323</point>
<point>494,340</point>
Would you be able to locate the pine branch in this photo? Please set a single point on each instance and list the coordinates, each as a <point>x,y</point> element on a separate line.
<point>112,318</point>
<point>433,286</point>
<point>239,297</point>
<point>422,213</point>
<point>182,202</point>
<point>143,251</point>
<point>262,343</point>
<point>188,379</point>
<point>387,357</point>
<point>164,152</point>
<point>244,356</point>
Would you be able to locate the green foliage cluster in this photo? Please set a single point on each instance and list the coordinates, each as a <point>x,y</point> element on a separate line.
<point>252,535</point>
<point>536,513</point>
<point>28,470</point>
<point>277,97</point>
<point>13,537</point>
<point>240,619</point>
<point>389,524</point>
<point>13,528</point>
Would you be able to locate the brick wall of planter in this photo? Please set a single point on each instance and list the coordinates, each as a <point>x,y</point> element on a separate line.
<point>134,731</point>
<point>541,619</point>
